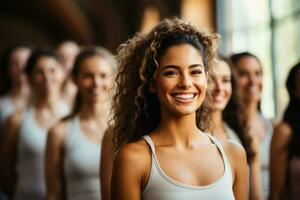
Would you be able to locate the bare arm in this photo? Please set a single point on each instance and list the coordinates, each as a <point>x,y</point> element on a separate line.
<point>9,152</point>
<point>106,164</point>
<point>255,178</point>
<point>278,159</point>
<point>54,162</point>
<point>130,166</point>
<point>238,163</point>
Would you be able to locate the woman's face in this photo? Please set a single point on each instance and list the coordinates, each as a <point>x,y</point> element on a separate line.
<point>94,79</point>
<point>180,80</point>
<point>249,79</point>
<point>47,76</point>
<point>68,52</point>
<point>221,85</point>
<point>18,60</point>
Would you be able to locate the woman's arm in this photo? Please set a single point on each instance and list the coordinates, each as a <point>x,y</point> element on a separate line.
<point>130,166</point>
<point>54,162</point>
<point>9,153</point>
<point>106,164</point>
<point>238,163</point>
<point>255,177</point>
<point>279,159</point>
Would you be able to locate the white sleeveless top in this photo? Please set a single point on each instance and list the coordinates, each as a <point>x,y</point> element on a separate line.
<point>162,187</point>
<point>31,145</point>
<point>81,164</point>
<point>265,155</point>
<point>6,109</point>
<point>232,136</point>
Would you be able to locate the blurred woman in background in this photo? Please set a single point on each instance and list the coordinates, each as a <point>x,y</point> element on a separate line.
<point>25,133</point>
<point>221,90</point>
<point>67,51</point>
<point>285,146</point>
<point>74,144</point>
<point>243,115</point>
<point>15,92</point>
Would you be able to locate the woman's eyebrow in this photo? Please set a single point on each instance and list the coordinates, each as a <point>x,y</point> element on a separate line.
<point>177,67</point>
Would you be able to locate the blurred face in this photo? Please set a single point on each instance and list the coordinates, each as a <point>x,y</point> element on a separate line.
<point>221,85</point>
<point>18,61</point>
<point>249,79</point>
<point>67,52</point>
<point>94,79</point>
<point>180,80</point>
<point>47,76</point>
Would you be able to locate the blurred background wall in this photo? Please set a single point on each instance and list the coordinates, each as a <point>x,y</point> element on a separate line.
<point>268,28</point>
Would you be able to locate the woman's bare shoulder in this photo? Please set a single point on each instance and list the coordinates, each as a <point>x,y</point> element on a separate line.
<point>283,129</point>
<point>58,132</point>
<point>134,152</point>
<point>233,149</point>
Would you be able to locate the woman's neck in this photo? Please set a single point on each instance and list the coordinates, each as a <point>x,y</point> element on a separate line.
<point>19,91</point>
<point>179,131</point>
<point>47,101</point>
<point>99,110</point>
<point>251,110</point>
<point>218,130</point>
<point>217,118</point>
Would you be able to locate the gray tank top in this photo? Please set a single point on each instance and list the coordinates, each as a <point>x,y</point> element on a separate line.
<point>81,165</point>
<point>162,187</point>
<point>31,145</point>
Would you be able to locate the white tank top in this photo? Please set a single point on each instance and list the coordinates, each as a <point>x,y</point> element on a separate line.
<point>265,155</point>
<point>31,145</point>
<point>162,187</point>
<point>6,109</point>
<point>81,165</point>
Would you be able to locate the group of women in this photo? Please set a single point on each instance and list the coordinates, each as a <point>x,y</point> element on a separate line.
<point>170,117</point>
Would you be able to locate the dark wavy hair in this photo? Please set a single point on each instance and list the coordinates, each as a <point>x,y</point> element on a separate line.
<point>86,53</point>
<point>5,64</point>
<point>136,109</point>
<point>36,55</point>
<point>234,112</point>
<point>292,112</point>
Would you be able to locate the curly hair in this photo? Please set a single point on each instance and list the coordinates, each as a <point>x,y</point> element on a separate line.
<point>136,109</point>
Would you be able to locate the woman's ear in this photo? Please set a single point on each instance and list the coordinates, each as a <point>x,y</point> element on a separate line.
<point>152,87</point>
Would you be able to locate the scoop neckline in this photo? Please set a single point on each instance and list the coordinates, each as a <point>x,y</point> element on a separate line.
<point>193,187</point>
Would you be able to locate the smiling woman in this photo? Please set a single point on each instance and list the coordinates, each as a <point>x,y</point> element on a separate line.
<point>162,119</point>
<point>74,144</point>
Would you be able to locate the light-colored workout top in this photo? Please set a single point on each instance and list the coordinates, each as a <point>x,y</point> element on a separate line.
<point>232,136</point>
<point>81,165</point>
<point>6,109</point>
<point>265,155</point>
<point>31,145</point>
<point>162,187</point>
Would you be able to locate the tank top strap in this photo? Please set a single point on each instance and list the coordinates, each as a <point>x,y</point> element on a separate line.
<point>217,143</point>
<point>72,131</point>
<point>150,143</point>
<point>220,147</point>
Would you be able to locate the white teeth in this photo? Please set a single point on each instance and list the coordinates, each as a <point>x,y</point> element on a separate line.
<point>184,96</point>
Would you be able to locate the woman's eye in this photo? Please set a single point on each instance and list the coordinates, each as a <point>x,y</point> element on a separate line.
<point>226,80</point>
<point>197,72</point>
<point>87,75</point>
<point>169,73</point>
